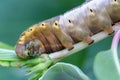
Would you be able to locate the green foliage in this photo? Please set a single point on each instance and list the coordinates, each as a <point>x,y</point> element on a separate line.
<point>35,66</point>
<point>64,71</point>
<point>105,66</point>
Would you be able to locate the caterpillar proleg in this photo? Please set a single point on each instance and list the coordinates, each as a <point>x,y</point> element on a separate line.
<point>63,31</point>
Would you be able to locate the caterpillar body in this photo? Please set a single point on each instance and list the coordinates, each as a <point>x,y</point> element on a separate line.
<point>65,30</point>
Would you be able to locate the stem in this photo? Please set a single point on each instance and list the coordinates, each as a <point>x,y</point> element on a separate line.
<point>80,46</point>
<point>114,49</point>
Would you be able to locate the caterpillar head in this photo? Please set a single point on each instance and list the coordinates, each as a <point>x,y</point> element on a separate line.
<point>29,45</point>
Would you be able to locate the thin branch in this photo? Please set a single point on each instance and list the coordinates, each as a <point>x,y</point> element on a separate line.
<point>80,46</point>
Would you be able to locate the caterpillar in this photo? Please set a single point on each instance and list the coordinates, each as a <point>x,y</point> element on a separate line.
<point>74,26</point>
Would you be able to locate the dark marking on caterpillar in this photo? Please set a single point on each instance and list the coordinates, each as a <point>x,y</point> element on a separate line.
<point>91,10</point>
<point>70,21</point>
<point>77,25</point>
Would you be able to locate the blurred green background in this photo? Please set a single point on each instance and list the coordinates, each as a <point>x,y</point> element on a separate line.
<point>18,15</point>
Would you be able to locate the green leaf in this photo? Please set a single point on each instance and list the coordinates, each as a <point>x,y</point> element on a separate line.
<point>8,55</point>
<point>105,67</point>
<point>6,46</point>
<point>64,71</point>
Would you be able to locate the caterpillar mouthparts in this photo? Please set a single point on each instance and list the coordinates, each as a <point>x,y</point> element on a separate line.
<point>64,31</point>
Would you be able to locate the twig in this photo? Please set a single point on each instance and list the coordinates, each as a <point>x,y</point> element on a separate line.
<point>80,46</point>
